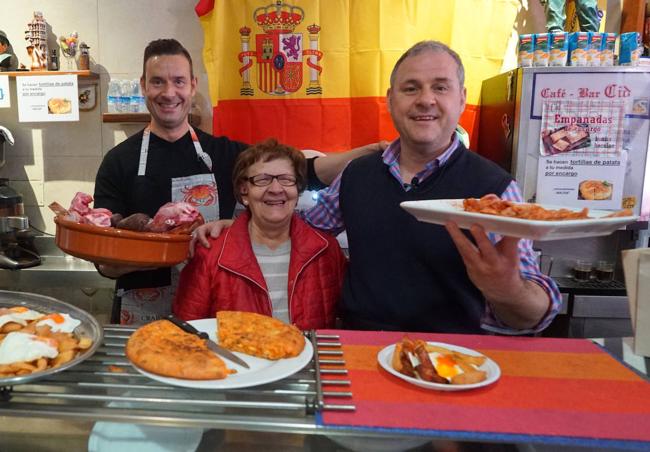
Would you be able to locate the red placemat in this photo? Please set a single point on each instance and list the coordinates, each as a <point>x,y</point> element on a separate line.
<point>552,388</point>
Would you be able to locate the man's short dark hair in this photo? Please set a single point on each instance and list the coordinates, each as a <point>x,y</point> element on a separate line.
<point>431,46</point>
<point>165,47</point>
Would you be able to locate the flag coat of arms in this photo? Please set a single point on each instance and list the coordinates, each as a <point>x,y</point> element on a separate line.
<point>314,73</point>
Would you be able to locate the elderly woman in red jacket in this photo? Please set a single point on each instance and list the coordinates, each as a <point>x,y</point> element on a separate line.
<point>269,261</point>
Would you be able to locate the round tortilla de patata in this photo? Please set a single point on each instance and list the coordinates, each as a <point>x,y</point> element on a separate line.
<point>595,190</point>
<point>162,348</point>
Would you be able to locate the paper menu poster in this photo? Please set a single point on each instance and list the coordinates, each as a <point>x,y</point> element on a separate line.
<point>582,163</point>
<point>577,181</point>
<point>47,98</point>
<point>5,97</point>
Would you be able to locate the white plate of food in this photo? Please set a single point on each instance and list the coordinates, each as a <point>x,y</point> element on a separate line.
<point>450,360</point>
<point>20,312</point>
<point>260,371</point>
<point>440,211</point>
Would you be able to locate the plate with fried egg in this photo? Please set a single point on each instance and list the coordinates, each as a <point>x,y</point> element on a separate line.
<point>438,366</point>
<point>40,336</point>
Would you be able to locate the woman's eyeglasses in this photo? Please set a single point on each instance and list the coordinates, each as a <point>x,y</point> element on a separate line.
<point>263,180</point>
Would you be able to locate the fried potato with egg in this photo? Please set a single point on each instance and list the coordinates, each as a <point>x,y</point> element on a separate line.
<point>63,357</point>
<point>396,361</point>
<point>68,345</point>
<point>11,326</point>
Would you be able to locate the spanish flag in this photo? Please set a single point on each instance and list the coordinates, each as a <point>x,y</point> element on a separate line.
<point>314,73</point>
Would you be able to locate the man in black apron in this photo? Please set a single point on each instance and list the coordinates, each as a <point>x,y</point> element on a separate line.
<point>171,161</point>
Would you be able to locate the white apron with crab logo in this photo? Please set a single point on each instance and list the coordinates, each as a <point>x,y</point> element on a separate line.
<point>140,306</point>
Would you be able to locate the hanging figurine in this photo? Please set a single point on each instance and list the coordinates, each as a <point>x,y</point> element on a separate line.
<point>36,36</point>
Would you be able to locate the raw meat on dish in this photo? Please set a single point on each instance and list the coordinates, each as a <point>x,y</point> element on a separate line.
<point>173,214</point>
<point>81,212</point>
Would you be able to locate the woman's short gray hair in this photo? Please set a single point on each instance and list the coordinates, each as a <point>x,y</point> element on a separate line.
<point>431,46</point>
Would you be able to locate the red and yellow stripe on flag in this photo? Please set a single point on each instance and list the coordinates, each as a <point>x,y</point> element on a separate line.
<point>314,73</point>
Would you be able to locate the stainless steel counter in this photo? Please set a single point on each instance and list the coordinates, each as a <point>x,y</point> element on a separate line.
<point>57,270</point>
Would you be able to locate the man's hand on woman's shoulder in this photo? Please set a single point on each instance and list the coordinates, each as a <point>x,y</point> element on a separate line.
<point>211,229</point>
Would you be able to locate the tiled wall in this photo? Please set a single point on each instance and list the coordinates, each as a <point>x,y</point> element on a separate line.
<point>52,161</point>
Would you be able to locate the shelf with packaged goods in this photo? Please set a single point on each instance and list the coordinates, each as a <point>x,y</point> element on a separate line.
<point>88,76</point>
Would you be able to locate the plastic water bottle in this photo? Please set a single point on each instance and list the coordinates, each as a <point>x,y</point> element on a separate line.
<point>113,96</point>
<point>138,104</point>
<point>142,104</point>
<point>134,100</point>
<point>125,96</point>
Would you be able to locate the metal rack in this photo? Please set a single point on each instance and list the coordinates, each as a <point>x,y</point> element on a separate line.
<point>106,387</point>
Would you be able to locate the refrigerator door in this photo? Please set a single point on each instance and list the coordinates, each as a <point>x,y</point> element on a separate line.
<point>497,120</point>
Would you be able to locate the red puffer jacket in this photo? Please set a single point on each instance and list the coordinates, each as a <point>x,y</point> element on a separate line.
<point>226,276</point>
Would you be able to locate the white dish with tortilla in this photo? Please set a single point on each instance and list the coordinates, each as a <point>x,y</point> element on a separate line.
<point>261,370</point>
<point>440,211</point>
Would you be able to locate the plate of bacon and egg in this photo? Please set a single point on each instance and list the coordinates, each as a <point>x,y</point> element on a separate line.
<point>437,365</point>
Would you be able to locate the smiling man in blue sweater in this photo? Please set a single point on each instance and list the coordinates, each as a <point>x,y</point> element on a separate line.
<point>412,276</point>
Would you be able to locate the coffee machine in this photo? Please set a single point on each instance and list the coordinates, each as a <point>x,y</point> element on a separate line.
<point>17,248</point>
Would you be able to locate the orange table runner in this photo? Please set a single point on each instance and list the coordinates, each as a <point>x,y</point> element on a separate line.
<point>557,391</point>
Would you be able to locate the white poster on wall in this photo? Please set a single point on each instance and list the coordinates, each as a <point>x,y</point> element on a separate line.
<point>47,98</point>
<point>5,98</point>
<point>582,162</point>
<point>582,181</point>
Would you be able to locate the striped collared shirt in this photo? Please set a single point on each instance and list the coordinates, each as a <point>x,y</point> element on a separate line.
<point>326,215</point>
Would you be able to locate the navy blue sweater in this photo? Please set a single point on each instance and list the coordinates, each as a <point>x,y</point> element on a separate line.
<point>406,275</point>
